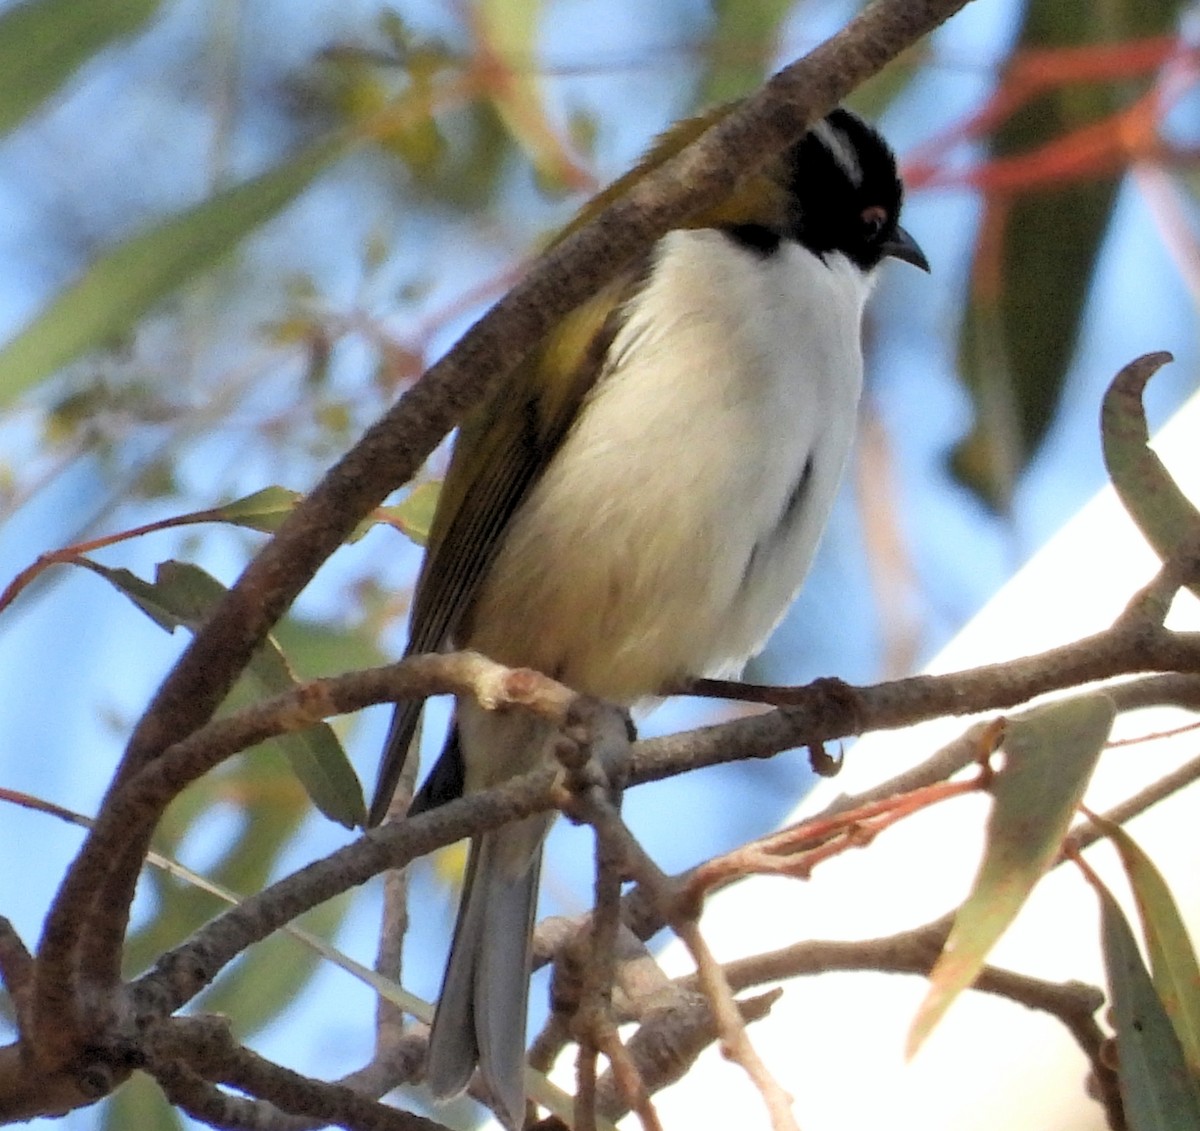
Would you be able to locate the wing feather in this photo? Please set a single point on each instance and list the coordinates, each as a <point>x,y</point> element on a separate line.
<point>513,444</point>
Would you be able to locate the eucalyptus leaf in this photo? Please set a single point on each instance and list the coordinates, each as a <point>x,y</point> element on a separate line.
<point>1050,752</point>
<point>1041,239</point>
<point>264,510</point>
<point>1162,512</point>
<point>1172,957</point>
<point>510,29</point>
<point>1158,1092</point>
<point>741,45</point>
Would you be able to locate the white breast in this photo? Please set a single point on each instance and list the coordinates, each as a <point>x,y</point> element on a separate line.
<point>673,527</point>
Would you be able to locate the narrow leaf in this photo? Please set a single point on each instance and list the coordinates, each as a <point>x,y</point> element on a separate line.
<point>1158,1092</point>
<point>127,280</point>
<point>1162,512</point>
<point>184,595</point>
<point>1172,959</point>
<point>1042,231</point>
<point>1050,753</point>
<point>43,42</point>
<point>268,977</point>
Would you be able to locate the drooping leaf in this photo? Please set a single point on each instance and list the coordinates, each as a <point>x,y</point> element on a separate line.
<point>43,43</point>
<point>1158,1092</point>
<point>1162,512</point>
<point>1050,752</point>
<point>314,648</point>
<point>183,595</point>
<point>545,1092</point>
<point>1172,958</point>
<point>127,280</point>
<point>1039,247</point>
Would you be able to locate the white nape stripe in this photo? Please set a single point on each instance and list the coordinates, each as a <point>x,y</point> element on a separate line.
<point>841,150</point>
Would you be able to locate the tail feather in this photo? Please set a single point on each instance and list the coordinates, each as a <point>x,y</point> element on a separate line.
<point>480,1017</point>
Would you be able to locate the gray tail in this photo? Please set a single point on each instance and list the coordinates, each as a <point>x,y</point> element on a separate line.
<point>480,1017</point>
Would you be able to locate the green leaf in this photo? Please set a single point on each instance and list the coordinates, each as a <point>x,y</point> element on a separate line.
<point>315,649</point>
<point>1157,1090</point>
<point>1039,248</point>
<point>1172,959</point>
<point>43,43</point>
<point>140,1103</point>
<point>742,40</point>
<point>1162,512</point>
<point>127,280</point>
<point>264,510</point>
<point>267,978</point>
<point>540,1088</point>
<point>270,803</point>
<point>183,595</point>
<point>1050,752</point>
<point>413,516</point>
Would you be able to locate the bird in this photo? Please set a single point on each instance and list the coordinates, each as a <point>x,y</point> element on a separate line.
<point>636,505</point>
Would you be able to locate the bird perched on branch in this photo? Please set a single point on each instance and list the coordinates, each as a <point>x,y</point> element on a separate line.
<point>636,505</point>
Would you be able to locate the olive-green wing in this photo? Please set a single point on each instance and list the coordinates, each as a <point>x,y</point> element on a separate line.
<point>502,449</point>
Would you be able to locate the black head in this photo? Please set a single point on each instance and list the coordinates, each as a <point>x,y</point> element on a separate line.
<point>846,194</point>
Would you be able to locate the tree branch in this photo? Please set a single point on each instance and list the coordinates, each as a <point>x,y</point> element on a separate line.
<point>393,449</point>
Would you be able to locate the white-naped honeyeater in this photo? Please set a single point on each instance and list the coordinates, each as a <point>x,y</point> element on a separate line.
<point>637,504</point>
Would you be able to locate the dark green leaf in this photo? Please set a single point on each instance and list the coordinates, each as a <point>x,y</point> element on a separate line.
<point>1172,959</point>
<point>1047,238</point>
<point>1159,1093</point>
<point>1162,512</point>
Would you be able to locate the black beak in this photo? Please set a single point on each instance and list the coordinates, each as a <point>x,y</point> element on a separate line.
<point>903,246</point>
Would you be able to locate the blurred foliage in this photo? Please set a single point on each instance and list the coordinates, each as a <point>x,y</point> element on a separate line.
<point>250,294</point>
<point>42,42</point>
<point>1042,228</point>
